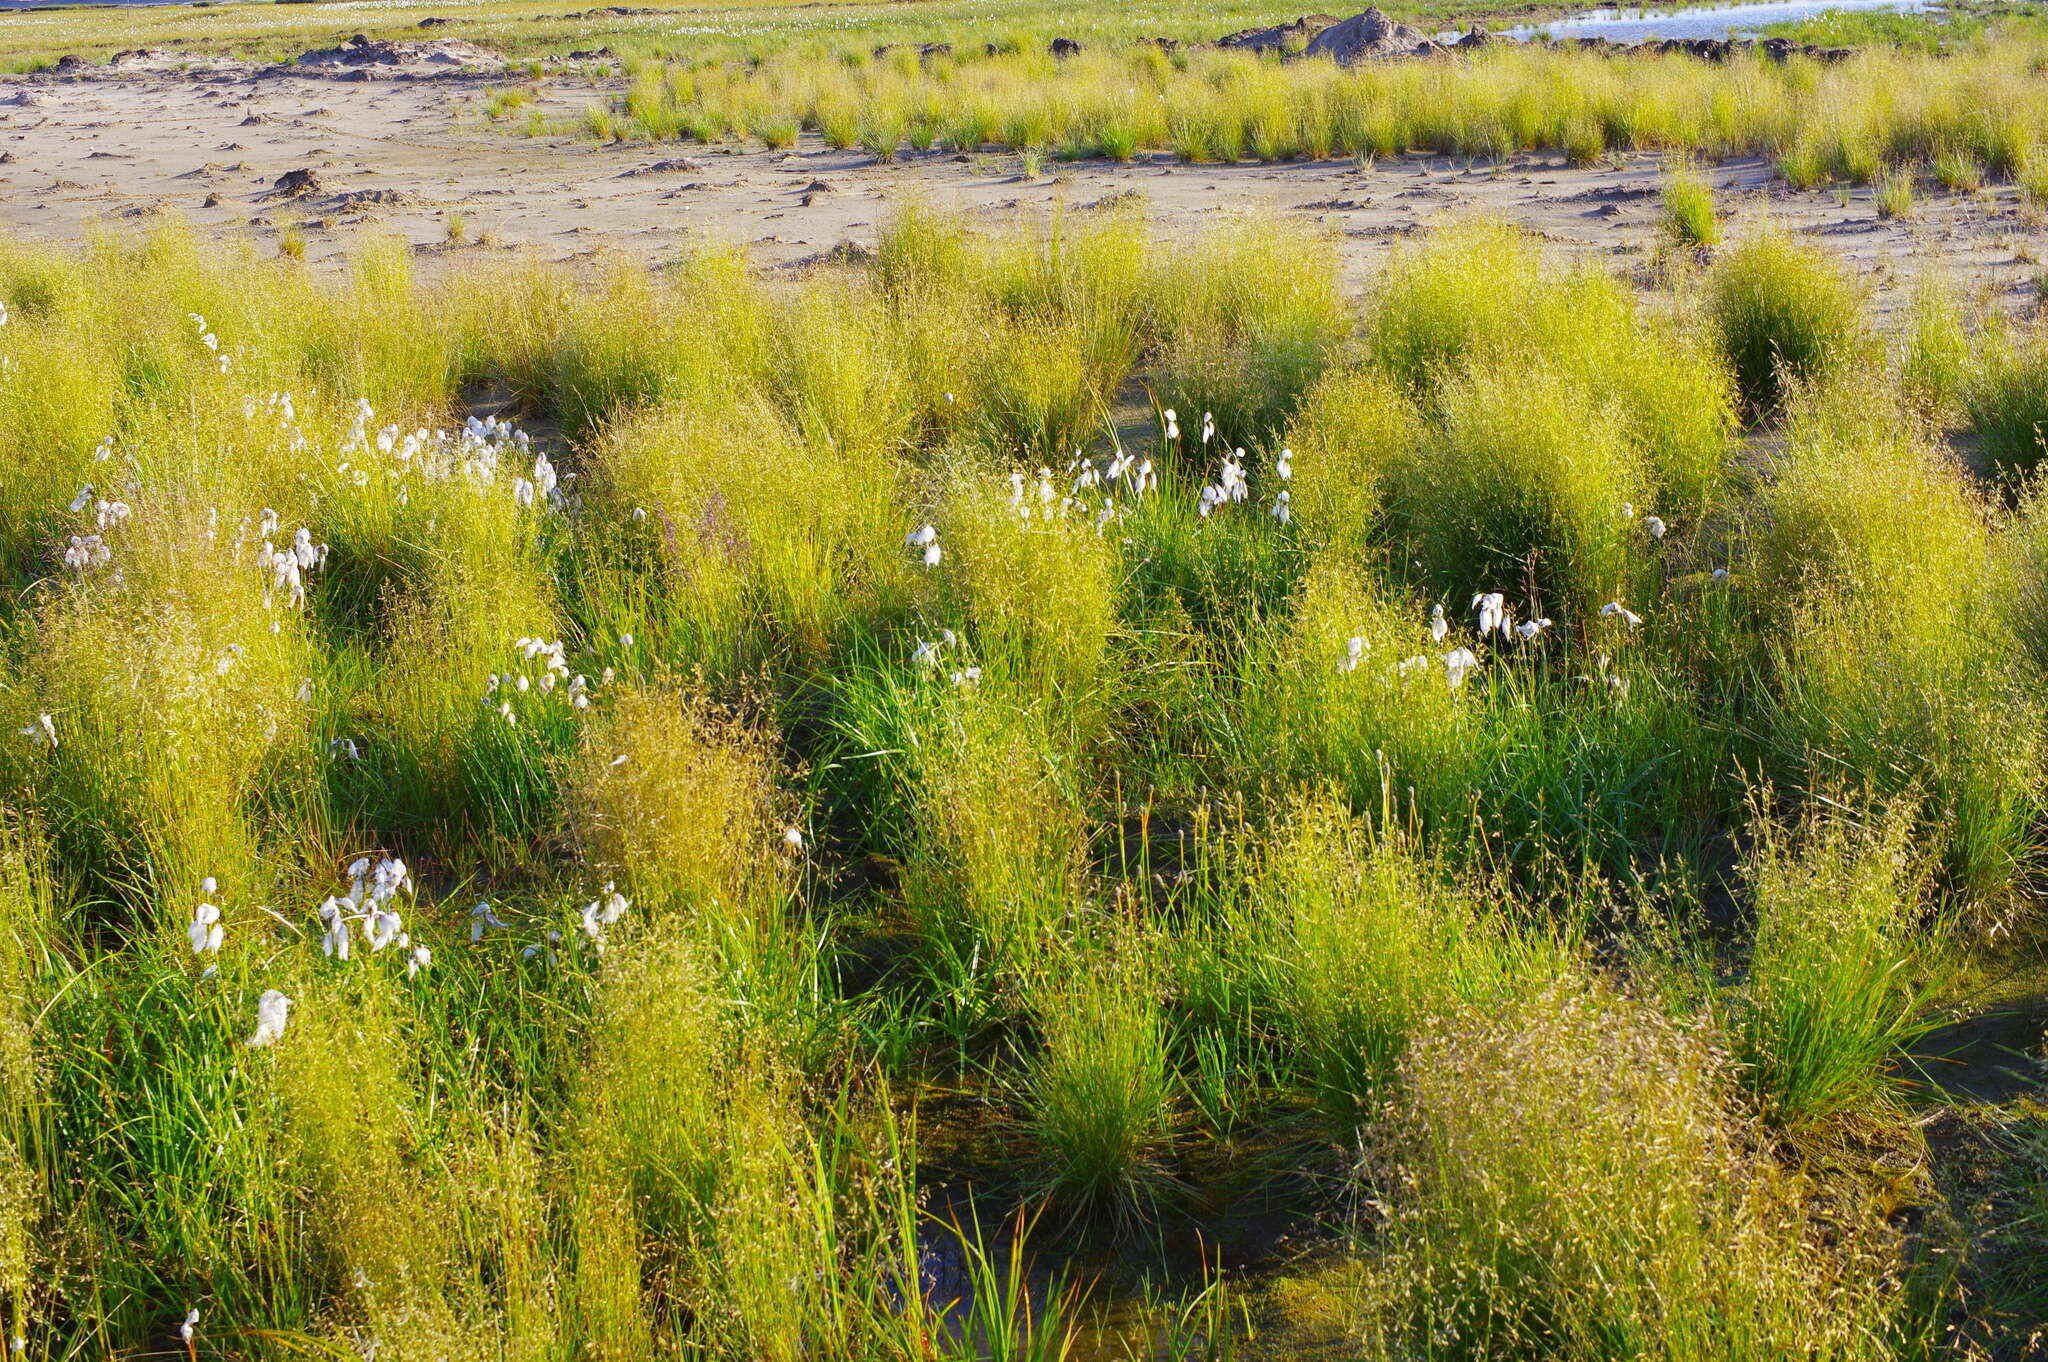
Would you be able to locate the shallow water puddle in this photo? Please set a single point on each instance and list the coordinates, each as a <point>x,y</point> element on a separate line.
<point>1702,21</point>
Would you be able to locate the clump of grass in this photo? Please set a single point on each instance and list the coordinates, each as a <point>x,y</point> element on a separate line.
<point>2033,181</point>
<point>1251,321</point>
<point>1783,313</point>
<point>999,832</point>
<point>1936,363</point>
<point>2006,403</point>
<point>1921,700</point>
<point>677,801</point>
<point>1351,435</point>
<point>501,104</point>
<point>1831,998</point>
<point>1361,941</point>
<point>1100,1093</point>
<point>1689,214</point>
<point>694,1159</point>
<point>1434,319</point>
<point>1460,288</point>
<point>1959,171</point>
<point>1525,488</point>
<point>1383,724</point>
<point>1893,193</point>
<point>1608,1189</point>
<point>348,1117</point>
<point>1034,585</point>
<point>175,659</point>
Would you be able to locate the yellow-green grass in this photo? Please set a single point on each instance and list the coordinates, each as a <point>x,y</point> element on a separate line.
<point>798,900</point>
<point>1970,114</point>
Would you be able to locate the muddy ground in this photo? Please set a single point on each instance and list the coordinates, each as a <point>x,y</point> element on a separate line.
<point>419,155</point>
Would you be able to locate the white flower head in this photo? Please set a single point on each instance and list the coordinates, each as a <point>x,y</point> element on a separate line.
<point>273,1009</point>
<point>1438,625</point>
<point>384,927</point>
<point>334,917</point>
<point>1458,664</point>
<point>205,931</point>
<point>1616,610</point>
<point>1654,526</point>
<point>1493,613</point>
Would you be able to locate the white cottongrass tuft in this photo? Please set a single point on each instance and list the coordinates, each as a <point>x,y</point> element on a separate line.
<point>205,931</point>
<point>1493,613</point>
<point>273,1009</point>
<point>1458,664</point>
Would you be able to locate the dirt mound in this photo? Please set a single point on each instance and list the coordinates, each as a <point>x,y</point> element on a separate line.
<point>679,166</point>
<point>1278,37</point>
<point>295,184</point>
<point>374,198</point>
<point>1371,36</point>
<point>435,55</point>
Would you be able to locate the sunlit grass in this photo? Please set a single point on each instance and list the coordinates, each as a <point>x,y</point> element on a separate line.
<point>998,733</point>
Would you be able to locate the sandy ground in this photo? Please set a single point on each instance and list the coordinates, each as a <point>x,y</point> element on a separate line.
<point>412,155</point>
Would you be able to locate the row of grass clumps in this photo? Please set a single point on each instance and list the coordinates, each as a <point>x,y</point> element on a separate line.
<point>1970,116</point>
<point>1007,716</point>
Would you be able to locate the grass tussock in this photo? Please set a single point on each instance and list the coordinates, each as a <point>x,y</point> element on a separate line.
<point>1610,1195</point>
<point>1785,315</point>
<point>1832,994</point>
